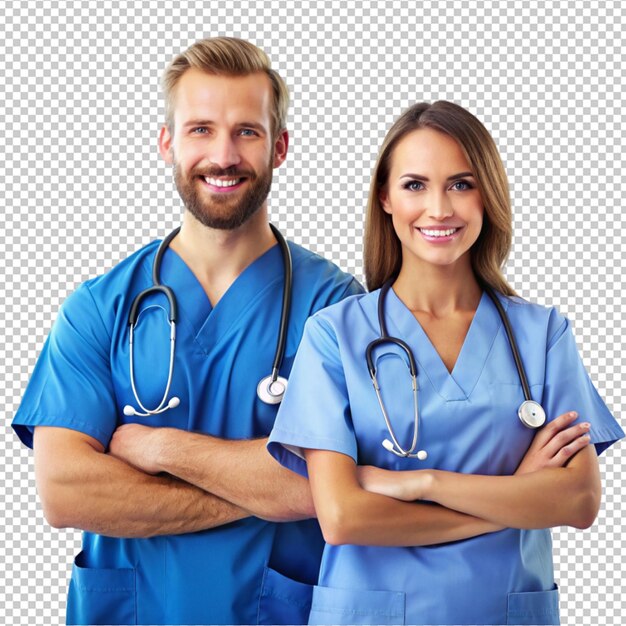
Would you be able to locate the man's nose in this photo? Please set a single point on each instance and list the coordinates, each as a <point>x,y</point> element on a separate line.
<point>224,151</point>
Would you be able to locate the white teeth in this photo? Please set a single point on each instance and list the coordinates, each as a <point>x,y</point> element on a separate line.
<point>218,182</point>
<point>438,233</point>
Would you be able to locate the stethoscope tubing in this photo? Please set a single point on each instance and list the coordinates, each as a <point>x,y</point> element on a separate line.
<point>521,371</point>
<point>264,389</point>
<point>286,303</point>
<point>530,413</point>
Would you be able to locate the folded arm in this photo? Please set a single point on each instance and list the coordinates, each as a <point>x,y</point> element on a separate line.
<point>563,496</point>
<point>371,506</point>
<point>348,514</point>
<point>240,471</point>
<point>81,487</point>
<point>556,484</point>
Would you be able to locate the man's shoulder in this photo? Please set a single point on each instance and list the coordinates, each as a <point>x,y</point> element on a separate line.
<point>107,290</point>
<point>125,271</point>
<point>314,267</point>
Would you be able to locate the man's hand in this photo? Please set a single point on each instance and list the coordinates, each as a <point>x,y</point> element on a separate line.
<point>138,446</point>
<point>555,444</point>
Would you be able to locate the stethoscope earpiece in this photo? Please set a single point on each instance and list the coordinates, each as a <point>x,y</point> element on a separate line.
<point>421,455</point>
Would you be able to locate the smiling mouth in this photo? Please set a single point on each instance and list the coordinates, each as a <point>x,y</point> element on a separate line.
<point>443,232</point>
<point>222,182</point>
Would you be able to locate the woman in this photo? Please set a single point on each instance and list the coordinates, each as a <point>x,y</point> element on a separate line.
<point>477,548</point>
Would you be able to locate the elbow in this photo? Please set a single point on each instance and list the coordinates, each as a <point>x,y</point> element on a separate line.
<point>58,506</point>
<point>586,509</point>
<point>55,513</point>
<point>56,521</point>
<point>335,522</point>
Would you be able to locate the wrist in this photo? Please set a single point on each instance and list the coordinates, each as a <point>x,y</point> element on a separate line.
<point>429,479</point>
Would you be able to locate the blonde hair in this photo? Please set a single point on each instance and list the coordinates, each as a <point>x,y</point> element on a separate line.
<point>382,250</point>
<point>227,56</point>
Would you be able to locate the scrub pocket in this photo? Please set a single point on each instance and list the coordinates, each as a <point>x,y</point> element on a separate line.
<point>101,596</point>
<point>283,600</point>
<point>534,607</point>
<point>356,606</point>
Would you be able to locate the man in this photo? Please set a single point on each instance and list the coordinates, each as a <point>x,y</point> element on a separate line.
<point>157,549</point>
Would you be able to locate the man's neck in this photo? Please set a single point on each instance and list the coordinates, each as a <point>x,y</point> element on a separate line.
<point>217,257</point>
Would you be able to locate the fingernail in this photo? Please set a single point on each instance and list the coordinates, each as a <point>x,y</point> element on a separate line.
<point>573,414</point>
<point>586,425</point>
<point>586,438</point>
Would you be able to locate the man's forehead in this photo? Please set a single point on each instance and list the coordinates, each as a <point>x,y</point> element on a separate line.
<point>199,94</point>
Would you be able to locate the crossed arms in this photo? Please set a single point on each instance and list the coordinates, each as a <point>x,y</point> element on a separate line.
<point>210,482</point>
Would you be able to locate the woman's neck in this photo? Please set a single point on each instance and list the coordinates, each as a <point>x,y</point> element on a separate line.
<point>438,290</point>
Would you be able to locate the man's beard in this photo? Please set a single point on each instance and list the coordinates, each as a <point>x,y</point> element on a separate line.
<point>221,211</point>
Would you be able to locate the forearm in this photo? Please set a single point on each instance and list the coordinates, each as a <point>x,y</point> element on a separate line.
<point>567,496</point>
<point>93,491</point>
<point>372,519</point>
<point>349,514</point>
<point>240,471</point>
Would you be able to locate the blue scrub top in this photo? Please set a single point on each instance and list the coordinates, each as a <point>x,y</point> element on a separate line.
<point>468,424</point>
<point>247,571</point>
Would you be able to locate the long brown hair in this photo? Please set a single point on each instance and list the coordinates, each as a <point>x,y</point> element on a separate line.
<point>382,250</point>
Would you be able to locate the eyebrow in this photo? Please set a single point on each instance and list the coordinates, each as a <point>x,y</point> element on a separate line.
<point>191,123</point>
<point>253,125</point>
<point>426,179</point>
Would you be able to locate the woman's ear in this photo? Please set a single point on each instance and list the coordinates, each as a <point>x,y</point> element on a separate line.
<point>383,196</point>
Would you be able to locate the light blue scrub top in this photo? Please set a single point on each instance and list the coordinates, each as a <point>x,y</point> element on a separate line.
<point>469,424</point>
<point>241,572</point>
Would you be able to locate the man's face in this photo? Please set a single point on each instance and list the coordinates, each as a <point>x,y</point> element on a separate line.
<point>222,147</point>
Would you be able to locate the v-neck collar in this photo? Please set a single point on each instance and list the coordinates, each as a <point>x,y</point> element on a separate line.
<point>458,384</point>
<point>209,324</point>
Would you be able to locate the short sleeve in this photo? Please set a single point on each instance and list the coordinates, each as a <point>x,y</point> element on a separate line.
<point>71,384</point>
<point>315,411</point>
<point>568,388</point>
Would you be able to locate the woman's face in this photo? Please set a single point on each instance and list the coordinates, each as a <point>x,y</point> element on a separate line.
<point>432,197</point>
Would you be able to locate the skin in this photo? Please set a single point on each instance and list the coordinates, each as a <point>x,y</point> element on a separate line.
<point>203,461</point>
<point>116,493</point>
<point>79,484</point>
<point>430,187</point>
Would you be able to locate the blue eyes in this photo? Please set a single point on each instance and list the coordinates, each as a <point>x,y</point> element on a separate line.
<point>462,185</point>
<point>413,185</point>
<point>459,185</point>
<point>244,132</point>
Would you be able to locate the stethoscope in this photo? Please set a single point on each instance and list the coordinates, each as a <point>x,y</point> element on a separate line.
<point>269,390</point>
<point>530,412</point>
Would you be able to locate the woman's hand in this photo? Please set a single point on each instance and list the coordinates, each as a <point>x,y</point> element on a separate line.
<point>555,444</point>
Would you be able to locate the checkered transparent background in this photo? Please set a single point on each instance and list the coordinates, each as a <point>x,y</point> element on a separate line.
<point>82,187</point>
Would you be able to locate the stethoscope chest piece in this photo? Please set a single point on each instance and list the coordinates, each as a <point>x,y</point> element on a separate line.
<point>531,414</point>
<point>271,391</point>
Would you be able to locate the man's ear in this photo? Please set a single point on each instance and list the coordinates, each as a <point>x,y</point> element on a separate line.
<point>165,145</point>
<point>281,145</point>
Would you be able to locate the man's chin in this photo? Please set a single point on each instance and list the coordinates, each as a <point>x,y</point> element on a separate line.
<point>220,220</point>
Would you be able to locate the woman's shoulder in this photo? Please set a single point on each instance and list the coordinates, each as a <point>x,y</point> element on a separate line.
<point>532,315</point>
<point>349,309</point>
